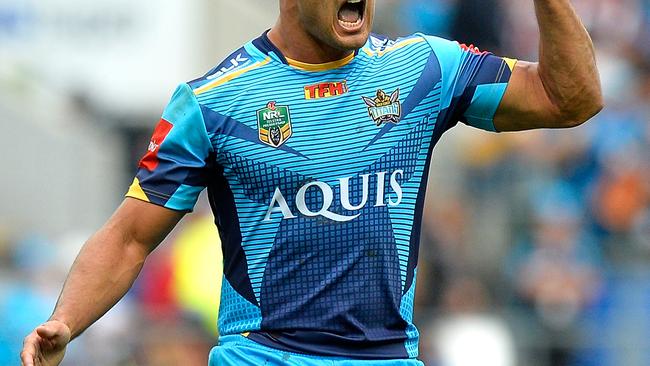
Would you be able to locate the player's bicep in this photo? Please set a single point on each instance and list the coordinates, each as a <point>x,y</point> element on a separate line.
<point>525,104</point>
<point>142,224</point>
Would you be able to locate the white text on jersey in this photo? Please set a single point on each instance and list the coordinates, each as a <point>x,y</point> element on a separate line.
<point>279,203</point>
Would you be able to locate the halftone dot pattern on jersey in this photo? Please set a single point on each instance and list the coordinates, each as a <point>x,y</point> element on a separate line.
<point>315,278</point>
<point>406,310</point>
<point>236,314</point>
<point>405,156</point>
<point>248,179</point>
<point>258,181</point>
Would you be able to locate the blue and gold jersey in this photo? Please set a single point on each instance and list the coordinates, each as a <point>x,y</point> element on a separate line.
<point>316,176</point>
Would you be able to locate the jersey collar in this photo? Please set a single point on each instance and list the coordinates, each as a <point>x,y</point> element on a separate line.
<point>264,44</point>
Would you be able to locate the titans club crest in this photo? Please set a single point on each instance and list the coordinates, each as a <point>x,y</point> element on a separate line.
<point>383,108</point>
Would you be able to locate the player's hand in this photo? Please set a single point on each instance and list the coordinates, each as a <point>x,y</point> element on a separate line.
<point>45,346</point>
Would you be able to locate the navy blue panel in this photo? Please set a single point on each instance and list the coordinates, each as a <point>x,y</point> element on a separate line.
<point>235,267</point>
<point>302,342</point>
<point>168,176</point>
<point>264,44</point>
<point>492,70</point>
<point>173,172</point>
<point>478,69</point>
<point>217,123</point>
<point>461,103</point>
<point>166,179</point>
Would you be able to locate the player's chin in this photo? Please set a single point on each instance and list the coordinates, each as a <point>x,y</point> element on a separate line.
<point>347,39</point>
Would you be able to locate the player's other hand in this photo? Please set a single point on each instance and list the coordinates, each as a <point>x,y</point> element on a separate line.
<point>45,346</point>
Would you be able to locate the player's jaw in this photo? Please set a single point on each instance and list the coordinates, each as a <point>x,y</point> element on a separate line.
<point>341,24</point>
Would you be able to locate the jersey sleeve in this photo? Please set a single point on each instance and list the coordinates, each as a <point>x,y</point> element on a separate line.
<point>174,170</point>
<point>474,82</point>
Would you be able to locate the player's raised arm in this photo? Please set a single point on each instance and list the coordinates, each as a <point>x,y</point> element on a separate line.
<point>563,89</point>
<point>103,272</point>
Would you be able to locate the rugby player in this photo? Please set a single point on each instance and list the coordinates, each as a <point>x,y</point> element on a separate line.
<point>314,142</point>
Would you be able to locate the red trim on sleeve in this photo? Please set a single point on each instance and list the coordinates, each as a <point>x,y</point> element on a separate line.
<point>150,159</point>
<point>471,48</point>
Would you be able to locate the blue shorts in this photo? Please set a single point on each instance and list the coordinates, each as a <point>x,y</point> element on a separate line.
<point>237,350</point>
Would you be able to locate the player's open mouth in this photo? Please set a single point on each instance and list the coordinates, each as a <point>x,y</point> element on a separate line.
<point>351,14</point>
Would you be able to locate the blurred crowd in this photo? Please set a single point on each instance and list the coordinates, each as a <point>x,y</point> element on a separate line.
<point>535,246</point>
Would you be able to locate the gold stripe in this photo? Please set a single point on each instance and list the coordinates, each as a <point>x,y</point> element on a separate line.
<point>320,67</point>
<point>246,334</point>
<point>215,83</point>
<point>511,62</point>
<point>394,47</point>
<point>136,191</point>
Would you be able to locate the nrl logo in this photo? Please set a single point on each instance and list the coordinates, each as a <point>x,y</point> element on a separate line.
<point>274,124</point>
<point>384,109</point>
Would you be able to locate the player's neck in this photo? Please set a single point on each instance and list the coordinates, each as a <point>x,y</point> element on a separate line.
<point>297,44</point>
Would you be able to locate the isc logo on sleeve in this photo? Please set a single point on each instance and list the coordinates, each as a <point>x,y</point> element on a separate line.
<point>150,159</point>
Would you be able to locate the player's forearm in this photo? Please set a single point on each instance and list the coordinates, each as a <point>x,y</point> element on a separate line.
<point>110,261</point>
<point>567,65</point>
<point>100,276</point>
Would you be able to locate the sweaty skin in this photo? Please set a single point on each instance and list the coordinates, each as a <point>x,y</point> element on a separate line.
<point>562,90</point>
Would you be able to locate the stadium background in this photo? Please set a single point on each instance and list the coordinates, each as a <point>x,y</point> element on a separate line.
<point>536,246</point>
